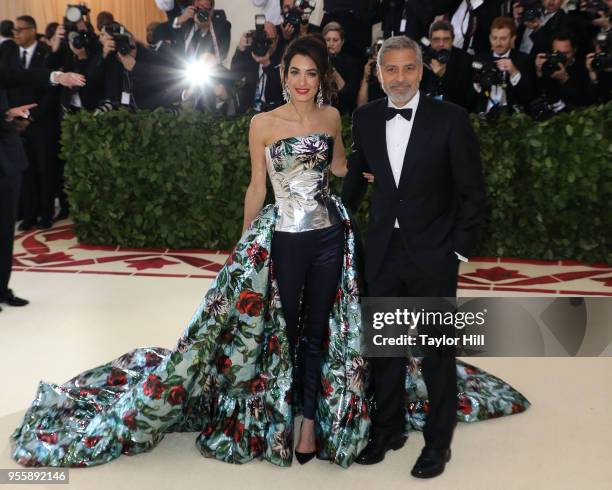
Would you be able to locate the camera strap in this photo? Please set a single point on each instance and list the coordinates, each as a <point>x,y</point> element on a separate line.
<point>214,41</point>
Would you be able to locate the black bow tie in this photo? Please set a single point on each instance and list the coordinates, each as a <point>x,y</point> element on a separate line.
<point>392,112</point>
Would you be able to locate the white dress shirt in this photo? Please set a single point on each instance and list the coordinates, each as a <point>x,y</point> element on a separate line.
<point>398,133</point>
<point>29,53</point>
<point>461,21</point>
<point>271,9</point>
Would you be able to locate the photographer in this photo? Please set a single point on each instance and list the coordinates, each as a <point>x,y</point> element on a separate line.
<point>599,67</point>
<point>198,29</point>
<point>504,80</point>
<point>471,20</point>
<point>211,88</point>
<point>296,16</point>
<point>346,70</point>
<point>447,73</point>
<point>587,18</point>
<point>135,77</point>
<point>370,88</point>
<point>538,21</point>
<point>256,60</point>
<point>562,80</point>
<point>356,18</point>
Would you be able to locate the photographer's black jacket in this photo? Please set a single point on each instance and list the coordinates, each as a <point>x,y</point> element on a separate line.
<point>456,83</point>
<point>575,92</point>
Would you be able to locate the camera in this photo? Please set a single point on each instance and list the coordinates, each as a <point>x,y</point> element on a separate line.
<point>442,56</point>
<point>299,14</point>
<point>257,39</point>
<point>593,8</point>
<point>551,65</point>
<point>74,14</point>
<point>372,52</point>
<point>122,38</point>
<point>487,74</point>
<point>602,61</point>
<point>532,10</point>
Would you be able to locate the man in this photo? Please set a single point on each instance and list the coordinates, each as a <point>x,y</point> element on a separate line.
<point>516,85</point>
<point>193,36</point>
<point>535,36</point>
<point>426,212</point>
<point>262,88</point>
<point>37,131</point>
<point>471,20</point>
<point>13,161</point>
<point>8,48</point>
<point>450,81</point>
<point>565,84</point>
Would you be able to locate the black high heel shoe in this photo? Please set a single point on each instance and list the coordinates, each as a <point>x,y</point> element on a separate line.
<point>303,458</point>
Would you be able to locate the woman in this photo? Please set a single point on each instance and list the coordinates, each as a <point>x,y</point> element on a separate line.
<point>346,71</point>
<point>279,327</point>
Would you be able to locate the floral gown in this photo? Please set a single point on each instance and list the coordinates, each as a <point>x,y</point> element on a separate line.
<point>229,377</point>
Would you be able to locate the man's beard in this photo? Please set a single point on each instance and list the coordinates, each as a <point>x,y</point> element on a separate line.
<point>402,92</point>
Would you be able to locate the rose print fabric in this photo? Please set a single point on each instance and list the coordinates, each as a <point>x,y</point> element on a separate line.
<point>230,379</point>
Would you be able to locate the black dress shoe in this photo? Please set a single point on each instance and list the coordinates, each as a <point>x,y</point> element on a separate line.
<point>431,462</point>
<point>378,445</point>
<point>44,224</point>
<point>10,299</point>
<point>26,224</point>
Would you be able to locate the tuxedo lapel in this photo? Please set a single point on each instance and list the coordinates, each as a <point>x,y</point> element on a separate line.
<point>422,129</point>
<point>380,141</point>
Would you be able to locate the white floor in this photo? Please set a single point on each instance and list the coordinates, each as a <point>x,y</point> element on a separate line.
<point>77,321</point>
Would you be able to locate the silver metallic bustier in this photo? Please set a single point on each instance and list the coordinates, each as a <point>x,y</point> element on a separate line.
<point>299,168</point>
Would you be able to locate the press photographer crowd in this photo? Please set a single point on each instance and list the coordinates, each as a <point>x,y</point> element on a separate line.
<point>541,57</point>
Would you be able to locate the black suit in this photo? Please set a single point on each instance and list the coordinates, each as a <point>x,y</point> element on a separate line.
<point>13,162</point>
<point>243,65</point>
<point>542,38</point>
<point>9,52</point>
<point>520,94</point>
<point>439,205</point>
<point>456,84</point>
<point>41,142</point>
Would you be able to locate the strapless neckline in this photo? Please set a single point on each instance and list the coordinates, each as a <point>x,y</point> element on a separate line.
<point>300,136</point>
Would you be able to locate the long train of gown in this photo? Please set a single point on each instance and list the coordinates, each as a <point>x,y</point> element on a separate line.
<point>230,379</point>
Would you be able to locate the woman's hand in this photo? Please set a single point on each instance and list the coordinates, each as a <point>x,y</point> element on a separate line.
<point>368,176</point>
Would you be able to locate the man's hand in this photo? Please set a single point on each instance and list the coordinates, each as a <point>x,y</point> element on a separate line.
<point>539,61</point>
<point>244,42</point>
<point>81,54</point>
<point>439,69</point>
<point>368,176</point>
<point>507,66</point>
<point>188,13</point>
<point>58,37</point>
<point>561,74</point>
<point>288,30</point>
<point>108,46</point>
<point>19,112</point>
<point>367,69</point>
<point>70,79</point>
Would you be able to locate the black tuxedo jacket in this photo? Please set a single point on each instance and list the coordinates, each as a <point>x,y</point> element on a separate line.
<point>13,159</point>
<point>47,97</point>
<point>440,200</point>
<point>456,84</point>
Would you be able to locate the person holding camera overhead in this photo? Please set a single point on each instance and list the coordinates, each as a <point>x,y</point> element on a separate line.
<point>370,88</point>
<point>537,22</point>
<point>296,17</point>
<point>503,78</point>
<point>135,77</point>
<point>561,79</point>
<point>199,29</point>
<point>447,73</point>
<point>256,60</point>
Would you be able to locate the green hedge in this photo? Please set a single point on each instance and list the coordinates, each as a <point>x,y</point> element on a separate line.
<point>153,179</point>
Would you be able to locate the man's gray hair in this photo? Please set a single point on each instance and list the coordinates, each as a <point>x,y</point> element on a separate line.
<point>399,42</point>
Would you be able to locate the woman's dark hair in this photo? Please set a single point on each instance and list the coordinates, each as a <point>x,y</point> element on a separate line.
<point>313,46</point>
<point>50,30</point>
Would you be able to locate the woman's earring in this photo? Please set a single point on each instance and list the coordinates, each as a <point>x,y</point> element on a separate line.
<point>320,96</point>
<point>286,93</point>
